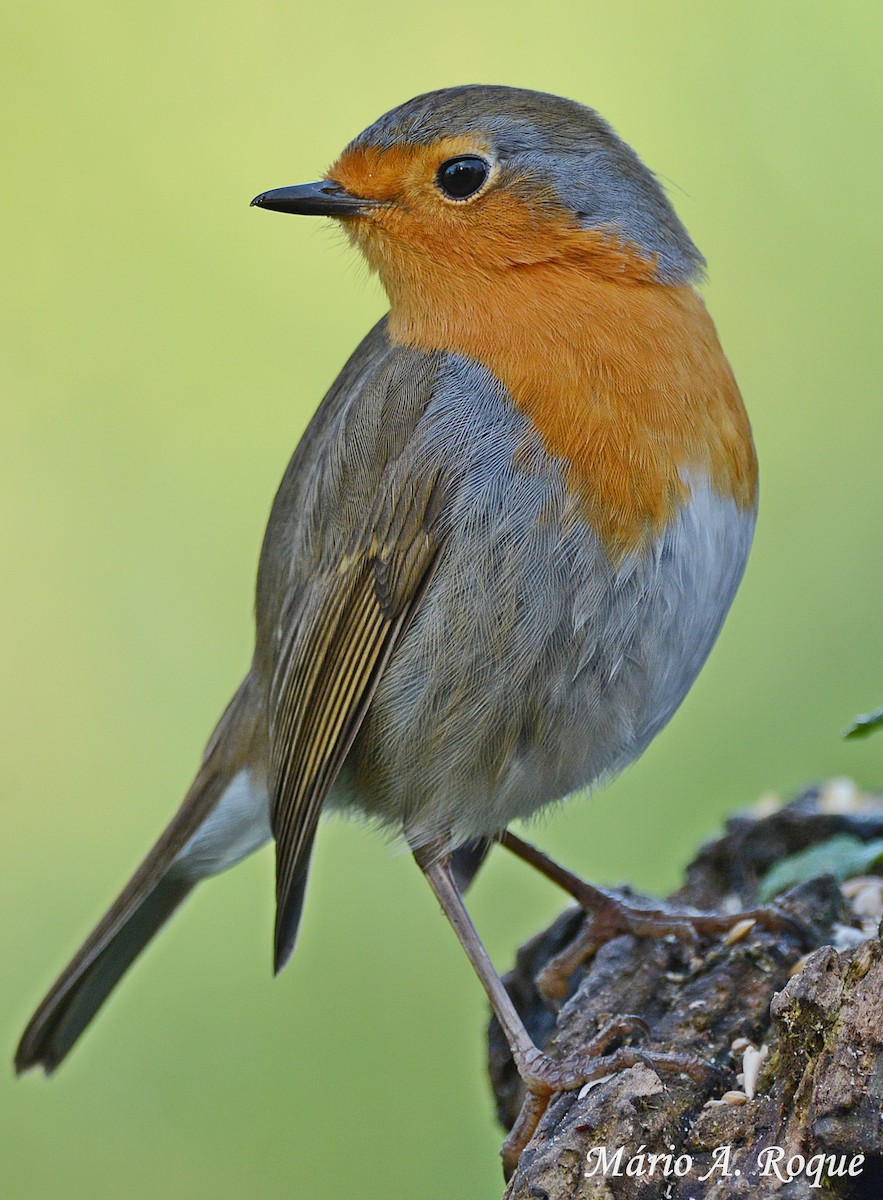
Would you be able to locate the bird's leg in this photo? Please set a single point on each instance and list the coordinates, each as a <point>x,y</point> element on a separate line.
<point>608,916</point>
<point>542,1076</point>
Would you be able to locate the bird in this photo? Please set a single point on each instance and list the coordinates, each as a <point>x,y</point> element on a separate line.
<point>502,550</point>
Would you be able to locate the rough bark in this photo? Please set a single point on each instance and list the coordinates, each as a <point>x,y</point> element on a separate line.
<point>814,1000</point>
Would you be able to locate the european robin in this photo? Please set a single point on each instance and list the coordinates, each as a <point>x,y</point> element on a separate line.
<point>504,546</point>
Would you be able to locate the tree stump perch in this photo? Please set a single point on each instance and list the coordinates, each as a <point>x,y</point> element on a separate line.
<point>805,1004</point>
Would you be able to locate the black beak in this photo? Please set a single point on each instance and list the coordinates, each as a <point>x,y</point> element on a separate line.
<point>322,199</point>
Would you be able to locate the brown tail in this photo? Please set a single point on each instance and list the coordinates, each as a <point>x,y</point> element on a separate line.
<point>147,901</point>
<point>145,904</point>
<point>91,976</point>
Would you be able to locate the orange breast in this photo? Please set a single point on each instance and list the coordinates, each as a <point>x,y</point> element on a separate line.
<point>626,383</point>
<point>623,376</point>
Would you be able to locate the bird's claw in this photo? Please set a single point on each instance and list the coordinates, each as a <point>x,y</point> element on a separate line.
<point>543,1077</point>
<point>608,917</point>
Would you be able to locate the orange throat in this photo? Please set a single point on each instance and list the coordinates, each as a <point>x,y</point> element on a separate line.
<point>623,376</point>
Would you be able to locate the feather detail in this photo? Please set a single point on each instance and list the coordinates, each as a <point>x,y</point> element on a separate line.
<point>323,687</point>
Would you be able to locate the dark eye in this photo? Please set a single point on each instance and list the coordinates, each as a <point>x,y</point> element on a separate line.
<point>460,178</point>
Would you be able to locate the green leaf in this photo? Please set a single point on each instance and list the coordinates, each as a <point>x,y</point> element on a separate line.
<point>841,856</point>
<point>865,724</point>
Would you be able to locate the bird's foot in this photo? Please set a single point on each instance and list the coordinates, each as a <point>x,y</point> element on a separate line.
<point>607,917</point>
<point>543,1077</point>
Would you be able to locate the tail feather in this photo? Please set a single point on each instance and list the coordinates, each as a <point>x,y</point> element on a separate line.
<point>467,860</point>
<point>288,914</point>
<point>90,978</point>
<point>193,844</point>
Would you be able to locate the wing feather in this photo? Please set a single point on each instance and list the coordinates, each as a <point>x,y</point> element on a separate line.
<point>351,545</point>
<point>324,691</point>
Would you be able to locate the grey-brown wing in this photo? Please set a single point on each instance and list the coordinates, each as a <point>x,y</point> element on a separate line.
<point>351,547</point>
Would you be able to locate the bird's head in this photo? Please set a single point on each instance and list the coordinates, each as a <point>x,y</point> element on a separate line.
<point>474,183</point>
<point>516,230</point>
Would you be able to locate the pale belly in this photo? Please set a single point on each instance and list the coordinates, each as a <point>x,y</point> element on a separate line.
<point>535,665</point>
<point>536,668</point>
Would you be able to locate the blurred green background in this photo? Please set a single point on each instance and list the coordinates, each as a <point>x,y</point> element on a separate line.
<point>163,347</point>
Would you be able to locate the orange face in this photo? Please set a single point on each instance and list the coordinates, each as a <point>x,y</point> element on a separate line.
<point>501,227</point>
